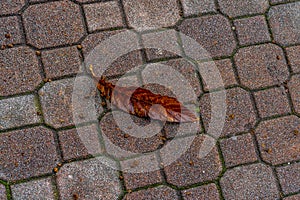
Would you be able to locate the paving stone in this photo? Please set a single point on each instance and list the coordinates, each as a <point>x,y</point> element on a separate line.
<point>80,142</point>
<point>279,139</point>
<point>279,1</point>
<point>10,7</point>
<point>89,179</point>
<point>10,26</point>
<point>147,14</point>
<point>103,15</point>
<point>293,57</point>
<point>172,129</point>
<point>254,181</point>
<point>294,88</point>
<point>213,33</point>
<point>190,169</point>
<point>238,150</point>
<point>18,111</point>
<point>252,30</point>
<point>53,24</point>
<point>38,189</point>
<point>261,66</point>
<point>21,158</point>
<point>202,192</point>
<point>289,178</point>
<point>160,192</point>
<point>2,192</point>
<point>61,62</point>
<point>240,115</point>
<point>294,197</point>
<point>235,8</point>
<point>196,7</point>
<point>19,71</point>
<point>284,23</point>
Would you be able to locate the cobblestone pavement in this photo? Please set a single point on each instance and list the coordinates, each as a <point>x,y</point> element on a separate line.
<point>255,45</point>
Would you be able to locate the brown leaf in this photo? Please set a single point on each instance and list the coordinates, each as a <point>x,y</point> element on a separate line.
<point>143,103</point>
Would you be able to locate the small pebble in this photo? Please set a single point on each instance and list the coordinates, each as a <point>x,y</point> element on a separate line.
<point>38,53</point>
<point>10,45</point>
<point>7,35</point>
<point>79,47</point>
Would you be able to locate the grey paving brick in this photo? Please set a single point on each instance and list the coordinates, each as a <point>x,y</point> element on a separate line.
<point>21,158</point>
<point>214,34</point>
<point>279,1</point>
<point>160,192</point>
<point>294,88</point>
<point>294,197</point>
<point>10,7</point>
<point>147,14</point>
<point>103,15</point>
<point>52,24</point>
<point>2,192</point>
<point>89,179</point>
<point>235,8</point>
<point>261,66</point>
<point>279,139</point>
<point>238,150</point>
<point>289,178</point>
<point>38,189</point>
<point>202,192</point>
<point>10,31</point>
<point>252,30</point>
<point>18,111</point>
<point>293,58</point>
<point>284,23</point>
<point>19,71</point>
<point>254,181</point>
<point>272,102</point>
<point>195,7</point>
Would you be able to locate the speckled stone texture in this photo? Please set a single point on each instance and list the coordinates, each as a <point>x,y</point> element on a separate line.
<point>11,6</point>
<point>202,192</point>
<point>192,7</point>
<point>160,192</point>
<point>294,197</point>
<point>53,24</point>
<point>11,26</point>
<point>238,150</point>
<point>249,182</point>
<point>240,116</point>
<point>2,192</point>
<point>279,1</point>
<point>61,62</point>
<point>19,71</point>
<point>213,33</point>
<point>279,139</point>
<point>294,88</point>
<point>38,189</point>
<point>103,15</point>
<point>18,111</point>
<point>252,30</point>
<point>293,58</point>
<point>289,178</point>
<point>90,179</point>
<point>261,66</point>
<point>284,23</point>
<point>22,158</point>
<point>235,8</point>
<point>147,14</point>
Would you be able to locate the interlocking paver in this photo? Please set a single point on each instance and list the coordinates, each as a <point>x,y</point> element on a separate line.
<point>238,150</point>
<point>10,7</point>
<point>160,192</point>
<point>89,179</point>
<point>18,111</point>
<point>252,30</point>
<point>195,7</point>
<point>2,192</point>
<point>22,158</point>
<point>249,182</point>
<point>10,31</point>
<point>38,189</point>
<point>80,142</point>
<point>147,14</point>
<point>284,23</point>
<point>235,8</point>
<point>279,1</point>
<point>294,197</point>
<point>279,139</point>
<point>103,15</point>
<point>272,102</point>
<point>214,34</point>
<point>61,62</point>
<point>289,178</point>
<point>19,71</point>
<point>240,116</point>
<point>294,88</point>
<point>172,130</point>
<point>52,24</point>
<point>190,169</point>
<point>261,66</point>
<point>202,192</point>
<point>293,58</point>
